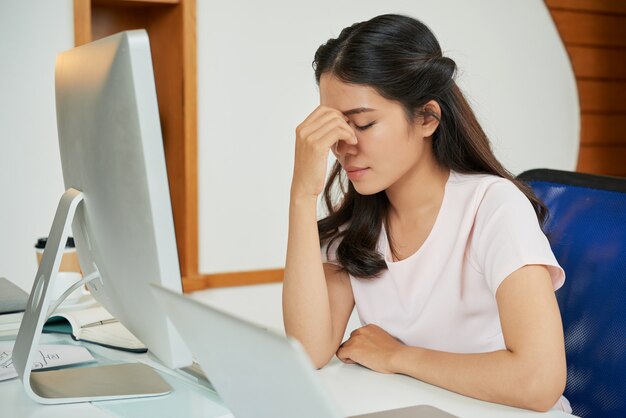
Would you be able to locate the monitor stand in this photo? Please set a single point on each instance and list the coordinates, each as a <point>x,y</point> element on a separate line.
<point>118,381</point>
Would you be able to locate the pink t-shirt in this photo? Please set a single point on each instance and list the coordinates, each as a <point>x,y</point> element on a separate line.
<point>442,297</point>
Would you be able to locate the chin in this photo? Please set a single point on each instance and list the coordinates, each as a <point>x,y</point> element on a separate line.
<point>366,189</point>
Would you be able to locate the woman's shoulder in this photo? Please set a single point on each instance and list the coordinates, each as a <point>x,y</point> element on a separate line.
<point>493,200</point>
<point>475,179</point>
<point>486,187</point>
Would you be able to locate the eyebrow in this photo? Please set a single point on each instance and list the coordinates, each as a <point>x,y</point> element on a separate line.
<point>357,110</point>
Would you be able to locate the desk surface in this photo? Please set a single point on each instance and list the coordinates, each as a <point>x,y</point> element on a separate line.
<point>356,389</point>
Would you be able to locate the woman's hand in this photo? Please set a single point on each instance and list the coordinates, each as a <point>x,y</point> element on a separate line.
<point>372,347</point>
<point>315,136</point>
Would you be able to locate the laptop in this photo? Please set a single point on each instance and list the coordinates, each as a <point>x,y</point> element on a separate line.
<point>256,372</point>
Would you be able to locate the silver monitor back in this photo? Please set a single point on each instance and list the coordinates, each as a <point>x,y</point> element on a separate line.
<point>112,151</point>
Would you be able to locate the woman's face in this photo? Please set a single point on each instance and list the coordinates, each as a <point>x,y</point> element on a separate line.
<point>389,149</point>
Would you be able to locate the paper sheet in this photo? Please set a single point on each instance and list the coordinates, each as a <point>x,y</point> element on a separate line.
<point>46,357</point>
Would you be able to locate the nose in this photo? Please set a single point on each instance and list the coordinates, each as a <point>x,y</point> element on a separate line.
<point>342,148</point>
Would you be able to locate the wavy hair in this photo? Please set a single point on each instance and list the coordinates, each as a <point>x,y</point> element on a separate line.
<point>401,59</point>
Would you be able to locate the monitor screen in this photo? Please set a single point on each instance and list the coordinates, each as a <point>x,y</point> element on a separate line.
<point>112,151</point>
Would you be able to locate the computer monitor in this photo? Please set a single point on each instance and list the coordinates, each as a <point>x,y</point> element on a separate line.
<point>113,158</point>
<point>112,151</point>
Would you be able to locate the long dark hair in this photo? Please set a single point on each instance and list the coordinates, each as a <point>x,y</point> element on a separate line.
<point>401,59</point>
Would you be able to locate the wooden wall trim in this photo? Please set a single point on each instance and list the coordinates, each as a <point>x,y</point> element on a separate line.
<point>595,6</point>
<point>190,152</point>
<point>590,29</point>
<point>82,22</point>
<point>192,284</point>
<point>602,129</point>
<point>602,96</point>
<point>594,34</point>
<point>171,25</point>
<point>598,63</point>
<point>606,160</point>
<point>154,1</point>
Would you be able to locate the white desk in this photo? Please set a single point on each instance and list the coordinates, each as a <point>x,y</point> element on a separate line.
<point>356,389</point>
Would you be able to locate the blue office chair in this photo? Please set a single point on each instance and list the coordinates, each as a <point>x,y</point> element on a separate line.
<point>587,231</point>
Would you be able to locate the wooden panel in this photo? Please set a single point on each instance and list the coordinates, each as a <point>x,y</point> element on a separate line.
<point>591,62</point>
<point>112,16</point>
<point>82,22</point>
<point>602,96</point>
<point>155,1</point>
<point>166,39</point>
<point>232,279</point>
<point>131,3</point>
<point>594,33</point>
<point>599,6</point>
<point>190,150</point>
<point>177,97</point>
<point>107,20</point>
<point>590,29</point>
<point>607,160</point>
<point>600,129</point>
<point>171,29</point>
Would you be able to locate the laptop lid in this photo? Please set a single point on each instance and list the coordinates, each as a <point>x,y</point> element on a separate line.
<point>257,373</point>
<point>417,411</point>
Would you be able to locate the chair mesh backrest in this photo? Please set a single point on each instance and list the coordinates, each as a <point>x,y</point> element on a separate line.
<point>587,231</point>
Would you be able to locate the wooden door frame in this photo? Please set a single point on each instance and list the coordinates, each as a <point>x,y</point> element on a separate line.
<point>172,27</point>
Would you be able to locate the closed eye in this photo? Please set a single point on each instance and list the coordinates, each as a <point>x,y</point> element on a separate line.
<point>364,127</point>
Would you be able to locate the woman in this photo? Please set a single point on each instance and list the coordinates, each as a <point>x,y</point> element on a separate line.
<point>436,244</point>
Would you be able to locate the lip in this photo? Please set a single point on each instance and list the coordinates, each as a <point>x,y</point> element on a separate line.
<point>356,173</point>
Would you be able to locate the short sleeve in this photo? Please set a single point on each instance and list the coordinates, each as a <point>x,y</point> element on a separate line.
<point>507,236</point>
<point>330,256</point>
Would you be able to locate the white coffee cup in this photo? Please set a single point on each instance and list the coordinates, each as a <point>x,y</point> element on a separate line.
<point>65,279</point>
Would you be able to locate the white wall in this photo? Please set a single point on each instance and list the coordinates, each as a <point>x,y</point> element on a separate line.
<point>256,84</point>
<point>31,183</point>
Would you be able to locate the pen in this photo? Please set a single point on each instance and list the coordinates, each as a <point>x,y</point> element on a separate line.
<point>104,321</point>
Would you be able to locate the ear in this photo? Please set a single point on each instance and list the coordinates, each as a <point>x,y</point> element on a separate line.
<point>431,118</point>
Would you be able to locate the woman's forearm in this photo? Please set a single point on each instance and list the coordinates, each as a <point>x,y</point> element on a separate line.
<point>306,308</point>
<point>501,376</point>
